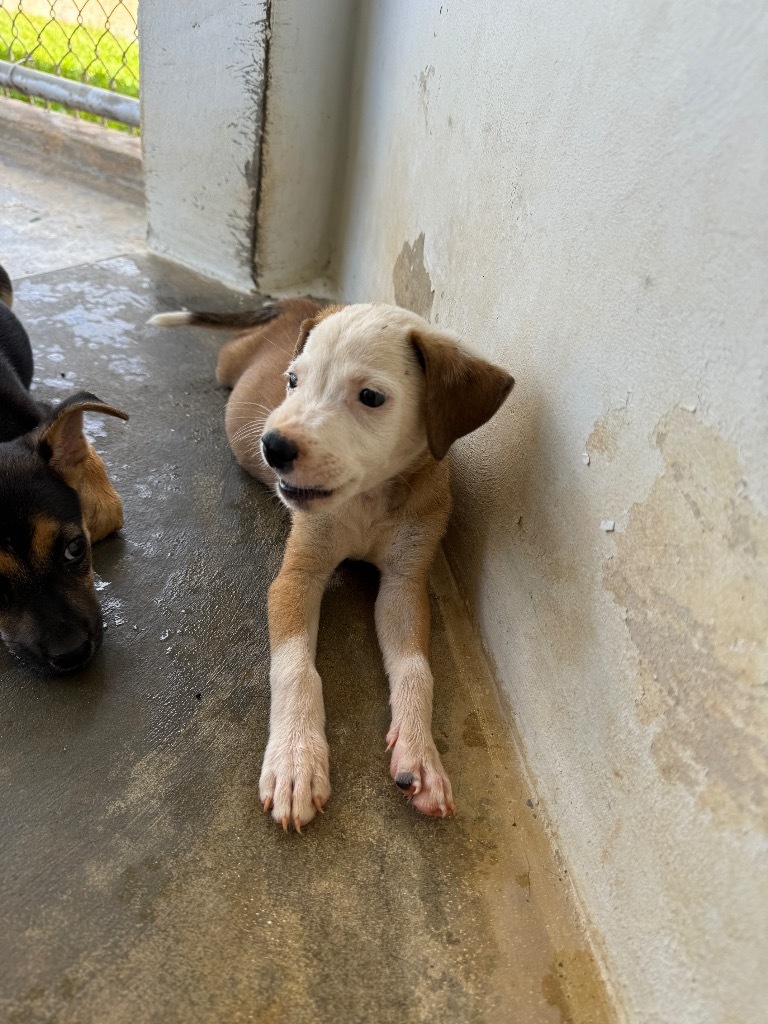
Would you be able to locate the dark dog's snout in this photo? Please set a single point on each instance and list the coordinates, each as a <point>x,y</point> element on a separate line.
<point>279,451</point>
<point>56,650</point>
<point>72,658</point>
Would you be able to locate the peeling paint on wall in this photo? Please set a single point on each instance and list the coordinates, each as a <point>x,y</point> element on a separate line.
<point>424,78</point>
<point>690,570</point>
<point>411,280</point>
<point>606,433</point>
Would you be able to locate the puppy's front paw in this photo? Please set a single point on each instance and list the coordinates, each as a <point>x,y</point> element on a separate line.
<point>419,773</point>
<point>294,777</point>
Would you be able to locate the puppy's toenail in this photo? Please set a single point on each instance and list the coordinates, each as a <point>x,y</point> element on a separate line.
<point>404,780</point>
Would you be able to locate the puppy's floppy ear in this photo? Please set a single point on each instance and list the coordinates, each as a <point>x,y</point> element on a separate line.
<point>309,324</point>
<point>463,391</point>
<point>63,445</point>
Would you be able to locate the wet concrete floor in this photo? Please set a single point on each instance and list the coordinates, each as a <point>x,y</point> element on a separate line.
<point>141,881</point>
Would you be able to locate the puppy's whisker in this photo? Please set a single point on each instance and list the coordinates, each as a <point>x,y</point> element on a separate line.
<point>250,429</point>
<point>257,405</point>
<point>256,421</point>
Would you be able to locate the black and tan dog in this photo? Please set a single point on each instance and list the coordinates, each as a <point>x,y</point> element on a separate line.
<point>55,500</point>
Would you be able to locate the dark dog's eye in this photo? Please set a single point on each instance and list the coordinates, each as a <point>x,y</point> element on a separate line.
<point>75,550</point>
<point>293,380</point>
<point>372,398</point>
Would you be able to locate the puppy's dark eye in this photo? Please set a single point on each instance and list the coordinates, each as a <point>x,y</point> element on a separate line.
<point>75,550</point>
<point>372,398</point>
<point>293,380</point>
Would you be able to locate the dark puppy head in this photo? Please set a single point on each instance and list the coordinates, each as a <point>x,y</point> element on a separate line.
<point>55,500</point>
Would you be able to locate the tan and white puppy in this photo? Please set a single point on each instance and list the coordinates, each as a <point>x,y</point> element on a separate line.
<point>372,399</point>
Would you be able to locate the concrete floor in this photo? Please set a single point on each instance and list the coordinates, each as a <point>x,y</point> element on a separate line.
<point>140,880</point>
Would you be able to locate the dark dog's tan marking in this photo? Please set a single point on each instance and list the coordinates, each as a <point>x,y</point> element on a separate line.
<point>10,566</point>
<point>45,531</point>
<point>73,458</point>
<point>101,504</point>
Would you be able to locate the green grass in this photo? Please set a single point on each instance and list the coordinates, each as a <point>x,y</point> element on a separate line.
<point>81,52</point>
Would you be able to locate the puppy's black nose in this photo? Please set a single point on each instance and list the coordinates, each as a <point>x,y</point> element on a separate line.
<point>279,451</point>
<point>66,661</point>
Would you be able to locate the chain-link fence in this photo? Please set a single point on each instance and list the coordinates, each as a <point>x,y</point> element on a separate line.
<point>86,41</point>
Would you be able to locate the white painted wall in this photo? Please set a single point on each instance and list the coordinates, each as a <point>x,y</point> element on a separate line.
<point>202,83</point>
<point>590,182</point>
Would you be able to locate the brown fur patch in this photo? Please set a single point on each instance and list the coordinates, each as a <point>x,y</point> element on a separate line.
<point>74,459</point>
<point>287,615</point>
<point>45,530</point>
<point>404,626</point>
<point>307,566</point>
<point>10,566</point>
<point>237,355</point>
<point>100,502</point>
<point>463,391</point>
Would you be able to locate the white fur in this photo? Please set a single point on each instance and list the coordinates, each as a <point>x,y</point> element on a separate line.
<point>178,319</point>
<point>294,775</point>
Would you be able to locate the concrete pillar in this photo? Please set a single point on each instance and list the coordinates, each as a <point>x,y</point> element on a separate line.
<point>203,70</point>
<point>245,113</point>
<point>311,54</point>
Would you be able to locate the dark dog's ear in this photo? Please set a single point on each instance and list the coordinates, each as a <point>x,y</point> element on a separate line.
<point>6,288</point>
<point>463,391</point>
<point>312,322</point>
<point>63,445</point>
<point>62,442</point>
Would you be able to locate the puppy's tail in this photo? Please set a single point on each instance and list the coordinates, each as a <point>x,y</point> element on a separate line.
<point>6,288</point>
<point>226,321</point>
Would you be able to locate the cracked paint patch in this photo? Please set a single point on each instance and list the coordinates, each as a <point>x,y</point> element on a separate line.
<point>692,574</point>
